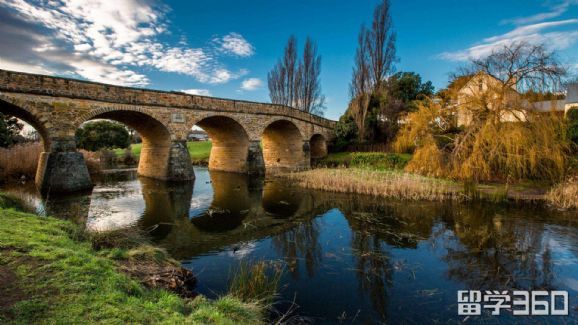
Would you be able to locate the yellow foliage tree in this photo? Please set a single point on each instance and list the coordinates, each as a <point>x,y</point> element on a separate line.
<point>501,137</point>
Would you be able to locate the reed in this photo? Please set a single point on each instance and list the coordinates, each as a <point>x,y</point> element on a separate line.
<point>19,161</point>
<point>564,195</point>
<point>256,281</point>
<point>392,184</point>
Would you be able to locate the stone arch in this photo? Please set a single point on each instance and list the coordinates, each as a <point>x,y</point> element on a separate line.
<point>30,118</point>
<point>283,146</point>
<point>156,138</point>
<point>230,143</point>
<point>318,145</point>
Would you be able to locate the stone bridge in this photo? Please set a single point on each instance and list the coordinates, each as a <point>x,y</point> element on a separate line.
<point>247,137</point>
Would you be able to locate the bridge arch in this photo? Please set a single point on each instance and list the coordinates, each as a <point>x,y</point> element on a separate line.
<point>230,143</point>
<point>283,146</point>
<point>29,117</point>
<point>318,145</point>
<point>156,138</point>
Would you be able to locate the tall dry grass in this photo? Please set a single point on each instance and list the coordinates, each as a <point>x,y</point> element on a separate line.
<point>403,186</point>
<point>20,160</point>
<point>564,195</point>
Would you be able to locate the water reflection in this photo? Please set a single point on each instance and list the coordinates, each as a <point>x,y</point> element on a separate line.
<point>348,258</point>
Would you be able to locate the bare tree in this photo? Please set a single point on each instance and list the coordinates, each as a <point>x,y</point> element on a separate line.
<point>360,87</point>
<point>522,66</point>
<point>374,61</point>
<point>290,64</point>
<point>308,84</point>
<point>276,82</point>
<point>296,82</point>
<point>380,42</point>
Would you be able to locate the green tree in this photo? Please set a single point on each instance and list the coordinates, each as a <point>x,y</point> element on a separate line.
<point>408,86</point>
<point>94,136</point>
<point>345,132</point>
<point>9,129</point>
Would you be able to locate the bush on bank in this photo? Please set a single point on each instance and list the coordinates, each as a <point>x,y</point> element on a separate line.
<point>366,160</point>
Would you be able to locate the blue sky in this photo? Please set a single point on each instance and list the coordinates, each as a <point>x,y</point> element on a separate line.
<point>226,48</point>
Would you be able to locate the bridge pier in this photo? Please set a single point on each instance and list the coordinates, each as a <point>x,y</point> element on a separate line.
<point>255,161</point>
<point>180,167</point>
<point>62,169</point>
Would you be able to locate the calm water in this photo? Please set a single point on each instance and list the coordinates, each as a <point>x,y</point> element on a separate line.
<point>349,259</point>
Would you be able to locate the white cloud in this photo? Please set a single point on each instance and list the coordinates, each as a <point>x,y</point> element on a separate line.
<point>15,66</point>
<point>201,92</point>
<point>108,74</point>
<point>555,11</point>
<point>236,44</point>
<point>557,40</point>
<point>251,84</point>
<point>110,39</point>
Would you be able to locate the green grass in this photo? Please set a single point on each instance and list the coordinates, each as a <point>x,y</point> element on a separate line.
<point>199,150</point>
<point>64,280</point>
<point>366,160</point>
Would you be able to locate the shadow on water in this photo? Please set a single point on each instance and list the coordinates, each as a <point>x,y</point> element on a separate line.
<point>348,258</point>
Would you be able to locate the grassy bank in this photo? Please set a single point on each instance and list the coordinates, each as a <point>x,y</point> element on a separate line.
<point>50,273</point>
<point>388,183</point>
<point>382,174</point>
<point>199,151</point>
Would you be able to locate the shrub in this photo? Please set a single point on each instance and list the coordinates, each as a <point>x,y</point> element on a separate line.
<point>379,160</point>
<point>107,158</point>
<point>128,158</point>
<point>564,195</point>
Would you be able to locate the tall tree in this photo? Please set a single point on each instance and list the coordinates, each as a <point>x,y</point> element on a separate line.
<point>281,79</point>
<point>308,83</point>
<point>296,82</point>
<point>374,61</point>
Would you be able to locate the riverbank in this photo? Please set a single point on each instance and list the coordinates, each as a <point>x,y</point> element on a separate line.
<point>51,272</point>
<point>382,174</point>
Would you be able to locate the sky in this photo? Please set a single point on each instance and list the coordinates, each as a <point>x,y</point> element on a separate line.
<point>224,48</point>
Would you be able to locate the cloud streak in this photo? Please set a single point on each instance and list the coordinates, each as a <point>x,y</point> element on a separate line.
<point>554,12</point>
<point>108,41</point>
<point>535,33</point>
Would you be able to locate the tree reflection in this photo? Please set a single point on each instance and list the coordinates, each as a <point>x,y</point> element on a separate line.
<point>300,243</point>
<point>492,252</point>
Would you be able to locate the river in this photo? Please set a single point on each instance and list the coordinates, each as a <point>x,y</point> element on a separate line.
<point>348,258</point>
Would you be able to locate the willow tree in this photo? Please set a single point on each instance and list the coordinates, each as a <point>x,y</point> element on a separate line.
<point>502,134</point>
